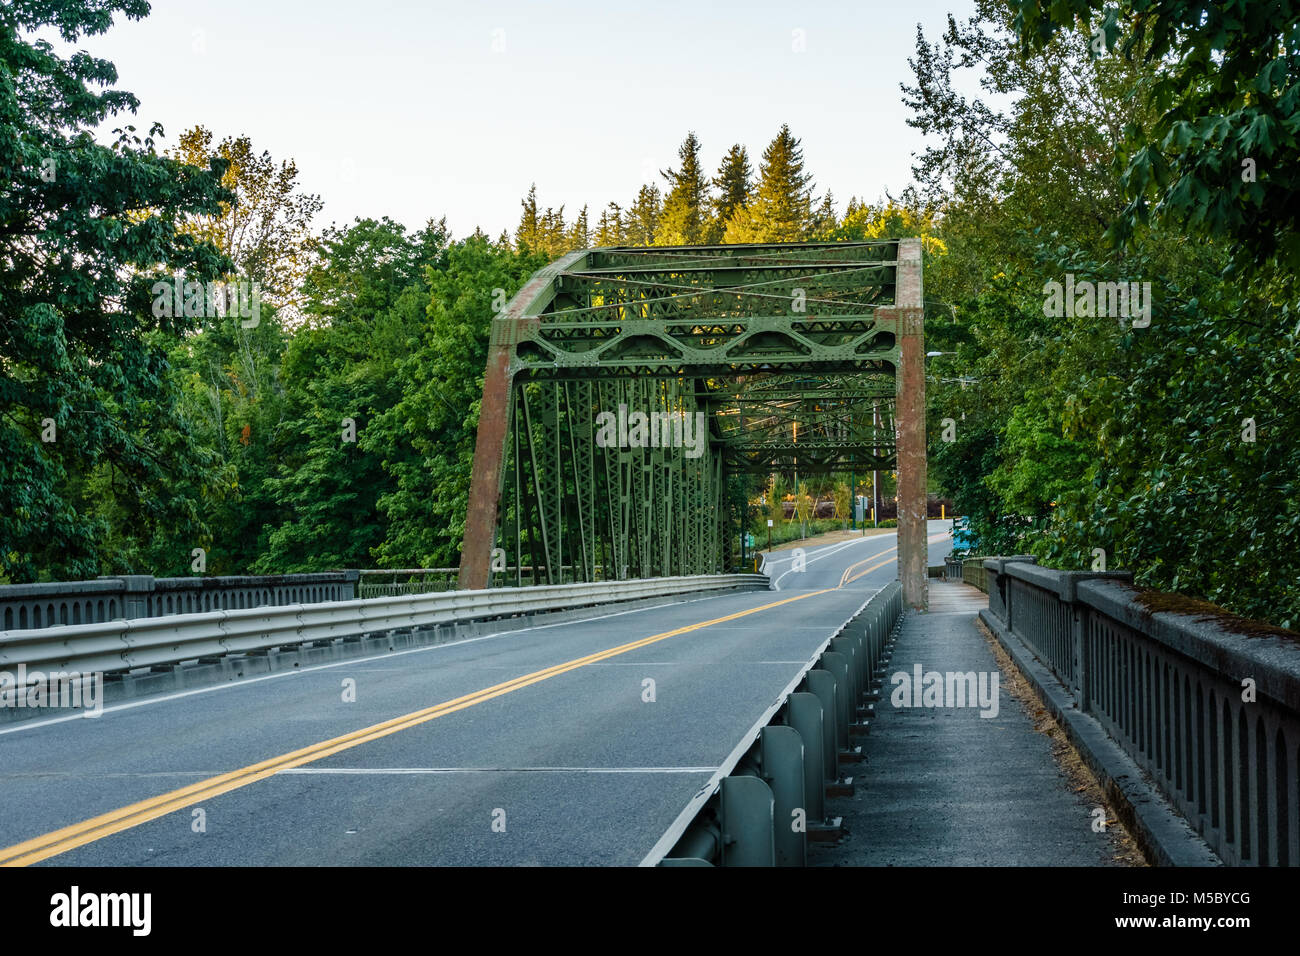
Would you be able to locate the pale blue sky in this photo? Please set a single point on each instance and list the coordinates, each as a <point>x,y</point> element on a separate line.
<point>404,108</point>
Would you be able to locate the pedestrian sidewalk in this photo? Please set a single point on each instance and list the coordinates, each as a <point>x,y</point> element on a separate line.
<point>943,785</point>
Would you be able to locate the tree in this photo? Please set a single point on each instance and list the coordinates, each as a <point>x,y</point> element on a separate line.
<point>368,296</point>
<point>542,231</point>
<point>781,210</point>
<point>1223,155</point>
<point>609,228</point>
<point>433,426</point>
<point>232,395</point>
<point>1162,446</point>
<point>88,430</point>
<point>894,219</point>
<point>734,183</point>
<point>824,220</point>
<point>529,231</point>
<point>579,236</point>
<point>266,231</point>
<point>641,222</point>
<point>683,221</point>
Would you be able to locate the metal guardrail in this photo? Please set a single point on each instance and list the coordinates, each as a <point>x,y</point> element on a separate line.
<point>56,603</point>
<point>973,573</point>
<point>1210,713</point>
<point>119,645</point>
<point>130,596</point>
<point>788,762</point>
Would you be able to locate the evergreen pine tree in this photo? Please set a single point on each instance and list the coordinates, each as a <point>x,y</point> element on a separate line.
<point>782,208</point>
<point>529,231</point>
<point>683,220</point>
<point>553,234</point>
<point>609,228</point>
<point>580,235</point>
<point>823,220</point>
<point>642,221</point>
<point>735,188</point>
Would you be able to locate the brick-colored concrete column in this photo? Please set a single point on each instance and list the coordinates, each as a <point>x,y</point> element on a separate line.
<point>910,422</point>
<point>485,475</point>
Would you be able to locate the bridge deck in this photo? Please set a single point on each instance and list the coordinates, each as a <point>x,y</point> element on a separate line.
<point>945,786</point>
<point>534,746</point>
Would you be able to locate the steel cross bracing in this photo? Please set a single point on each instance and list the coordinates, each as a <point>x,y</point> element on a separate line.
<point>786,353</point>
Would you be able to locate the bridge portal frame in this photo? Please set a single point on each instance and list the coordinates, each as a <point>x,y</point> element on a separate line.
<point>816,329</point>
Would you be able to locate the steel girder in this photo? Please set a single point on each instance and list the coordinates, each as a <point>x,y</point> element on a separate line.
<point>786,353</point>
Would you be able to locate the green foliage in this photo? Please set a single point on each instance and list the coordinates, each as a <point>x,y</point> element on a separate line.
<point>84,231</point>
<point>781,210</point>
<point>1171,448</point>
<point>864,222</point>
<point>735,187</point>
<point>266,229</point>
<point>1223,79</point>
<point>368,296</point>
<point>641,222</point>
<point>696,210</point>
<point>430,431</point>
<point>784,532</point>
<point>1081,433</point>
<point>544,231</point>
<point>1038,465</point>
<point>1194,482</point>
<point>683,219</point>
<point>609,228</point>
<point>233,399</point>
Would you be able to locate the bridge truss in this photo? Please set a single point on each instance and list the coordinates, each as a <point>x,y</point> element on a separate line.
<point>627,389</point>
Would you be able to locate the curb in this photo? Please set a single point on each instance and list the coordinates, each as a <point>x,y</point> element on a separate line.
<point>1163,834</point>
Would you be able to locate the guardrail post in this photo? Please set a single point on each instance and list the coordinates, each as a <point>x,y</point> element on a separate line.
<point>822,684</point>
<point>781,754</point>
<point>885,639</point>
<point>847,647</point>
<point>700,845</point>
<point>836,665</point>
<point>804,714</point>
<point>748,822</point>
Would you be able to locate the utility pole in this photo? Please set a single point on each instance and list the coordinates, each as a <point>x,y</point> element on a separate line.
<point>853,499</point>
<point>875,475</point>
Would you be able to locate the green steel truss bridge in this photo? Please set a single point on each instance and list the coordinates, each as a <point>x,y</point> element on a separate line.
<point>627,387</point>
<point>791,356</point>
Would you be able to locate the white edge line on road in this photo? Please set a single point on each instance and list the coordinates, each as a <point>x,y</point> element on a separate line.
<point>824,553</point>
<point>832,549</point>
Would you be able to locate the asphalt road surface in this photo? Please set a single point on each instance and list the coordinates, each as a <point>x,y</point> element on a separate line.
<point>574,743</point>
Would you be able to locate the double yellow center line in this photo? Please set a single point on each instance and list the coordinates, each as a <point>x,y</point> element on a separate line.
<point>96,828</point>
<point>845,577</point>
<point>848,577</point>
